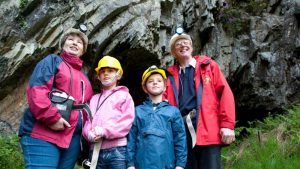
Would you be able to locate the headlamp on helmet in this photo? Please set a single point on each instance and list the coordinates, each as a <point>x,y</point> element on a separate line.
<point>83,28</point>
<point>77,32</point>
<point>180,34</point>
<point>179,30</point>
<point>152,69</point>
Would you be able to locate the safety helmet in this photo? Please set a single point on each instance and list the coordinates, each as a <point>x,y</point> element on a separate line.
<point>108,61</point>
<point>152,69</point>
<point>176,37</point>
<point>77,32</point>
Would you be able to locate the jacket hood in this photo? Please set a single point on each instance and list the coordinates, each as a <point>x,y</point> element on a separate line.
<point>202,59</point>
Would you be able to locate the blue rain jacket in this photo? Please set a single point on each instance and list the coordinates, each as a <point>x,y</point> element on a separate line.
<point>157,138</point>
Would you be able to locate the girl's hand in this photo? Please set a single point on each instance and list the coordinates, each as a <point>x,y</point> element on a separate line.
<point>98,131</point>
<point>93,135</point>
<point>97,139</point>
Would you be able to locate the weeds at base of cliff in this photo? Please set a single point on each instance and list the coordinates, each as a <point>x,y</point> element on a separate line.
<point>10,152</point>
<point>273,143</point>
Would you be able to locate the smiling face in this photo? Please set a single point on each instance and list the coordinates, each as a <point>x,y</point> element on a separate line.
<point>73,45</point>
<point>109,77</point>
<point>183,50</point>
<point>155,85</point>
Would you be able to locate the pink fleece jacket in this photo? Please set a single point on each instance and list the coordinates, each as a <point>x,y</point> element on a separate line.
<point>113,119</point>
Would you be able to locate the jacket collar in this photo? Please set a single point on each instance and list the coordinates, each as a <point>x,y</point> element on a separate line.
<point>73,60</point>
<point>148,102</point>
<point>192,63</point>
<point>199,61</point>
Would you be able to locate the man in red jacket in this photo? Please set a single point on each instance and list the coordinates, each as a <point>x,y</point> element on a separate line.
<point>197,86</point>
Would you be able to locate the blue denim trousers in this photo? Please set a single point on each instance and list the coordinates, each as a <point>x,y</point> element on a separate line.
<point>112,158</point>
<point>42,154</point>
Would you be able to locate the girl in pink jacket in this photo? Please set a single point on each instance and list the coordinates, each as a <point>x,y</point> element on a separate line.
<point>112,117</point>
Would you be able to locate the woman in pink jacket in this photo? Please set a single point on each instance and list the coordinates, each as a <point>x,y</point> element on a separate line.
<point>113,114</point>
<point>48,138</point>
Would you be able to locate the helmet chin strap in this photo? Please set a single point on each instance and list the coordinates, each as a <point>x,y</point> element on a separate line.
<point>110,81</point>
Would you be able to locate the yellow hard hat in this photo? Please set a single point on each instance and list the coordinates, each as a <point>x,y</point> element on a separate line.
<point>108,61</point>
<point>152,69</point>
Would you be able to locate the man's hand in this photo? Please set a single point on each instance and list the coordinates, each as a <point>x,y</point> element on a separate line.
<point>60,125</point>
<point>227,135</point>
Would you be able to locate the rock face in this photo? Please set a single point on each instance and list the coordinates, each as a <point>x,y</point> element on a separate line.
<point>257,46</point>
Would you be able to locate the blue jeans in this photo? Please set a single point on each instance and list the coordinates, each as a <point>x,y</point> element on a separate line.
<point>42,154</point>
<point>112,158</point>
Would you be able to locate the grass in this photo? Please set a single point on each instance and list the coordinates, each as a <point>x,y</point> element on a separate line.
<point>273,143</point>
<point>10,153</point>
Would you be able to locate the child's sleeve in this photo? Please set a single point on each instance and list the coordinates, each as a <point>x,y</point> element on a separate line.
<point>179,137</point>
<point>86,129</point>
<point>131,146</point>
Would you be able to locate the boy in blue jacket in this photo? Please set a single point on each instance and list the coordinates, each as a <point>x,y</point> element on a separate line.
<point>157,138</point>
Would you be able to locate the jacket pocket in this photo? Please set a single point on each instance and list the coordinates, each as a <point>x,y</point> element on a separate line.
<point>153,149</point>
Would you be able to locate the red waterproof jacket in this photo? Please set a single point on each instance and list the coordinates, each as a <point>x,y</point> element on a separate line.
<point>52,71</point>
<point>215,101</point>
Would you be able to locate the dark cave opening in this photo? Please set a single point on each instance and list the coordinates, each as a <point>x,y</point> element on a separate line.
<point>134,62</point>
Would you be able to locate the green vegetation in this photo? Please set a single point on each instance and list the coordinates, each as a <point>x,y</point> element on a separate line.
<point>234,14</point>
<point>10,153</point>
<point>273,143</point>
<point>21,18</point>
<point>23,4</point>
<point>22,21</point>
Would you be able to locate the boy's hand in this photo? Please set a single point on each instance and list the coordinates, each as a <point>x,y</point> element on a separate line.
<point>178,167</point>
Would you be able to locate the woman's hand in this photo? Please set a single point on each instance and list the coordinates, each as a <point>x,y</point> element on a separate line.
<point>60,125</point>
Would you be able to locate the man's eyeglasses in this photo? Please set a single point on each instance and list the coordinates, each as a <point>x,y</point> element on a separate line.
<point>182,43</point>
